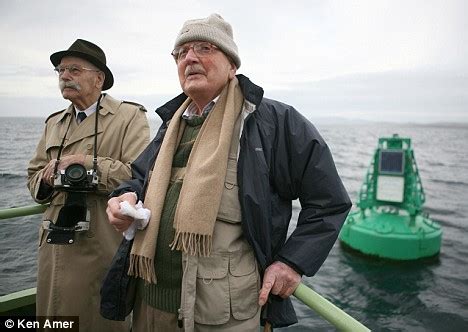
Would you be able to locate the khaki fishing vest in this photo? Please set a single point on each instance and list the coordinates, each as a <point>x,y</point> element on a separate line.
<point>227,282</point>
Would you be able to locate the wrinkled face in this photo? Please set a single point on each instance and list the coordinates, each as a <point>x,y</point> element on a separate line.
<point>79,80</point>
<point>202,75</point>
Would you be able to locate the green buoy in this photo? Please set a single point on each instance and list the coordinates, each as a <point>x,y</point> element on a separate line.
<point>390,222</point>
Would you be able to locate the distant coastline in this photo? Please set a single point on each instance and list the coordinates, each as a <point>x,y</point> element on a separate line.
<point>329,120</point>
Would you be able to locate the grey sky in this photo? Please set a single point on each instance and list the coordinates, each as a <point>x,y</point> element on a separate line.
<point>374,60</point>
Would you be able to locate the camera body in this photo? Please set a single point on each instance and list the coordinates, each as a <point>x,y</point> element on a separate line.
<point>76,178</point>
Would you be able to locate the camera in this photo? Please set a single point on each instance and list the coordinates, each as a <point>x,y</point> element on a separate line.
<point>76,178</point>
<point>74,215</point>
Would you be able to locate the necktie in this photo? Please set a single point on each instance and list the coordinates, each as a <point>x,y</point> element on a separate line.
<point>81,116</point>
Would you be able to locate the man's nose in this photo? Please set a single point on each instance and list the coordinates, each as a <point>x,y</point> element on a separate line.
<point>191,56</point>
<point>66,76</point>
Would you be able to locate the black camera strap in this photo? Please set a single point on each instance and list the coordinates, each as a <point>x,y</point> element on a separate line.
<point>57,162</point>
<point>95,135</point>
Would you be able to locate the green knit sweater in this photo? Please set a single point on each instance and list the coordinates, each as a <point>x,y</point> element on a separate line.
<point>165,295</point>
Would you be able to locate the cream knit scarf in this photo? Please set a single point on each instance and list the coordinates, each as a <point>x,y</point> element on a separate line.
<point>200,195</point>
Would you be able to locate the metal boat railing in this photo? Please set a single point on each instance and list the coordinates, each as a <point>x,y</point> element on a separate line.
<point>327,310</point>
<point>22,211</point>
<point>10,303</point>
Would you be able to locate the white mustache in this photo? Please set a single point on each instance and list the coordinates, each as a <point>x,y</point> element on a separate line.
<point>195,69</point>
<point>69,84</point>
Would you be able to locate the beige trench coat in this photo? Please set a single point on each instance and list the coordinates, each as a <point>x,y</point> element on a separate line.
<point>70,276</point>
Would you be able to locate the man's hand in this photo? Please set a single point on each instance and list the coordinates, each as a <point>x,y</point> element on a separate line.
<point>48,173</point>
<point>279,279</point>
<point>116,218</point>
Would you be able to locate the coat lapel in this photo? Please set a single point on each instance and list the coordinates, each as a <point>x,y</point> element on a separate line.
<point>87,127</point>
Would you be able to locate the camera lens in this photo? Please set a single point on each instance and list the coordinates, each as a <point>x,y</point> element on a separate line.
<point>75,173</point>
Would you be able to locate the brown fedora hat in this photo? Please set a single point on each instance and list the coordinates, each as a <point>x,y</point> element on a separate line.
<point>88,51</point>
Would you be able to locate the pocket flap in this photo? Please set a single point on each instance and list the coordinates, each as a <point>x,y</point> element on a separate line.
<point>242,263</point>
<point>213,267</point>
<point>53,142</point>
<point>229,208</point>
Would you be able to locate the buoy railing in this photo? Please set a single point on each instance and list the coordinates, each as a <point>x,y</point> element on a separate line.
<point>327,310</point>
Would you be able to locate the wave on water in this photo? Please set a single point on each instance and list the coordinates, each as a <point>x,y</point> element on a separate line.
<point>450,182</point>
<point>12,176</point>
<point>439,210</point>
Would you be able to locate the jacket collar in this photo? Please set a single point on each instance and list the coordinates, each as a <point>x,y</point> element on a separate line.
<point>252,93</point>
<point>107,105</point>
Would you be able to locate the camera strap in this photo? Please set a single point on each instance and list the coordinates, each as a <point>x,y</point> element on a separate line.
<point>57,162</point>
<point>95,136</point>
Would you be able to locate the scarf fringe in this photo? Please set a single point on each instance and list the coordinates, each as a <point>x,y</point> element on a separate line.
<point>193,244</point>
<point>142,267</point>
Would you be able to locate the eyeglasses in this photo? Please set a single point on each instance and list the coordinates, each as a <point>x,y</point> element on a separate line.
<point>200,49</point>
<point>74,70</point>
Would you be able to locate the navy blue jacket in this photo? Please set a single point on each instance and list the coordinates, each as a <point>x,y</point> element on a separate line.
<point>282,158</point>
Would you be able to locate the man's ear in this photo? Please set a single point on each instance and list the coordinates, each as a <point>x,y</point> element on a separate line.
<point>100,80</point>
<point>232,71</point>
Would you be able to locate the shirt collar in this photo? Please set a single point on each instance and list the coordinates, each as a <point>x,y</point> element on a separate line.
<point>191,110</point>
<point>90,110</point>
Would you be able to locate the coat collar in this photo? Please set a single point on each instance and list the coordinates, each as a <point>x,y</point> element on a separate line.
<point>107,105</point>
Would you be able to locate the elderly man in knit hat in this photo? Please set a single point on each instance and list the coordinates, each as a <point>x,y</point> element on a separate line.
<point>85,152</point>
<point>219,179</point>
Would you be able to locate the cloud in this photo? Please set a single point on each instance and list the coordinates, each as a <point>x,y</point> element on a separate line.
<point>341,53</point>
<point>422,95</point>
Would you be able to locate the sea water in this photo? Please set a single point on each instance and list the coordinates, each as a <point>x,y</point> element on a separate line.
<point>416,296</point>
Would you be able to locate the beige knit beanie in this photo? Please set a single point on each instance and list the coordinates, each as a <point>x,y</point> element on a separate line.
<point>213,29</point>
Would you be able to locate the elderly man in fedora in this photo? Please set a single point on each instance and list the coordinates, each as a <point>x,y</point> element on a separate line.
<point>219,179</point>
<point>85,152</point>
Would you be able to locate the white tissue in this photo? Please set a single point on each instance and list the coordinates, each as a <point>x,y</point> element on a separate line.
<point>140,215</point>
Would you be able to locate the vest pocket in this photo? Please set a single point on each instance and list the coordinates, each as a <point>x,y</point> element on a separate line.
<point>243,285</point>
<point>229,209</point>
<point>212,299</point>
<point>226,284</point>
